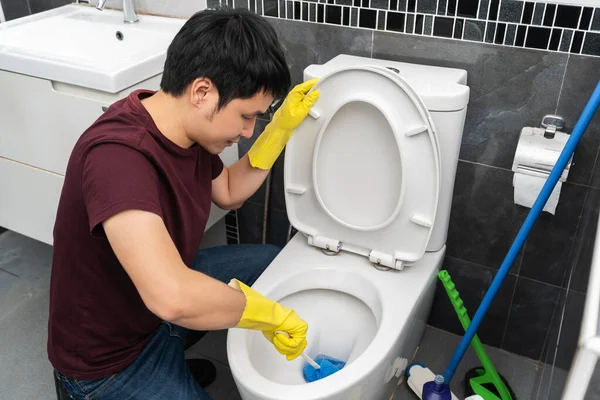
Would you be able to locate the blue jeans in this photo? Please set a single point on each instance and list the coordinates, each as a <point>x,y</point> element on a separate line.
<point>161,372</point>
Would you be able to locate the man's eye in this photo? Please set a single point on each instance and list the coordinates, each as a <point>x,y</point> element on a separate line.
<point>246,117</point>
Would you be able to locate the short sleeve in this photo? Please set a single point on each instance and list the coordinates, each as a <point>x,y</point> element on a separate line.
<point>116,178</point>
<point>216,165</point>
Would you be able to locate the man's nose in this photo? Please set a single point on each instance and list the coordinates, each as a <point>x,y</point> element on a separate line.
<point>248,129</point>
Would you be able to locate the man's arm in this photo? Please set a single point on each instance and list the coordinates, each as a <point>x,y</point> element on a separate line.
<point>236,184</point>
<point>169,288</point>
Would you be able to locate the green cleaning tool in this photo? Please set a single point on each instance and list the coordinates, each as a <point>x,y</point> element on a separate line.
<point>485,382</point>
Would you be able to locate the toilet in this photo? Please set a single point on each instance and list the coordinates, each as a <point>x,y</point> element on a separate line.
<point>368,178</point>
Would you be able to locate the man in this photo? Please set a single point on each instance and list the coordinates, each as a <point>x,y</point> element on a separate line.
<point>127,279</point>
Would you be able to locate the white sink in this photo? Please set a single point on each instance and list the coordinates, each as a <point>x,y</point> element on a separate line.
<point>83,46</point>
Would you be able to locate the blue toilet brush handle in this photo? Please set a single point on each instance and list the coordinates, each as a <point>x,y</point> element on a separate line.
<point>526,228</point>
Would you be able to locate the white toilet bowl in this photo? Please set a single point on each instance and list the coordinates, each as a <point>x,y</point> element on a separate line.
<point>371,319</point>
<point>368,185</point>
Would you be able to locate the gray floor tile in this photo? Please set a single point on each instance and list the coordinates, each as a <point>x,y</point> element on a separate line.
<point>223,388</point>
<point>213,346</point>
<point>25,372</point>
<point>437,348</point>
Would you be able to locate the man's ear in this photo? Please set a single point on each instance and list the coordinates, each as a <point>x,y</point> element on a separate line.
<point>200,90</point>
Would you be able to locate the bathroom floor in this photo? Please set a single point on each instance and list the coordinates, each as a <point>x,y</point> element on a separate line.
<point>25,372</point>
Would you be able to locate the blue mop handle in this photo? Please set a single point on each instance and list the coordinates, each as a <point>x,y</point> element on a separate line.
<point>532,217</point>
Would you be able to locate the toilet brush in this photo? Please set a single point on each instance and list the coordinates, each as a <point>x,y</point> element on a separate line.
<point>319,368</point>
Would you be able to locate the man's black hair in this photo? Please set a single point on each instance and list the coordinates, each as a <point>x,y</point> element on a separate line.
<point>236,49</point>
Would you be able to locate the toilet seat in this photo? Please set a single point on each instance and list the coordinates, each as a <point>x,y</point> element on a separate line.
<point>346,186</point>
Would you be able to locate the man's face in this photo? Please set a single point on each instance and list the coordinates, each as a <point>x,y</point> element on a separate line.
<point>216,130</point>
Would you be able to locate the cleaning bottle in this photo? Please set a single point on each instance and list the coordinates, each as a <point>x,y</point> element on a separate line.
<point>437,389</point>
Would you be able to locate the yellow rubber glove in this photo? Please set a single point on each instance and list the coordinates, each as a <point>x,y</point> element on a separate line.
<point>269,316</point>
<point>295,108</point>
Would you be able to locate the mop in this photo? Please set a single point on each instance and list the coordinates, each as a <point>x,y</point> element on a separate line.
<point>485,381</point>
<point>526,228</point>
<point>321,367</point>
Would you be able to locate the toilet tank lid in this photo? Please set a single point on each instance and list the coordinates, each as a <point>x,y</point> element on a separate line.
<point>440,88</point>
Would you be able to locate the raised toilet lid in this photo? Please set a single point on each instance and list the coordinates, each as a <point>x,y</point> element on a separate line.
<point>362,172</point>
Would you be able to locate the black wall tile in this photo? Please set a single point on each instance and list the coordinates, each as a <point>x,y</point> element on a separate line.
<point>411,5</point>
<point>555,39</point>
<point>566,321</point>
<point>443,27</point>
<point>367,19</point>
<point>419,22</point>
<point>395,21</point>
<point>574,96</point>
<point>474,30</point>
<point>538,38</point>
<point>500,32</point>
<point>549,15</point>
<point>586,18</point>
<point>14,9</point>
<point>521,33</point>
<point>250,222</point>
<point>297,10</point>
<point>567,16</point>
<point>467,8</point>
<point>394,5</point>
<point>44,5</point>
<point>577,42</point>
<point>305,13</point>
<point>527,13</point>
<point>472,282</point>
<point>305,43</point>
<point>346,16</point>
<point>548,248</point>
<point>277,227</point>
<point>484,220</point>
<point>402,5</point>
<point>530,316</point>
<point>333,15</point>
<point>583,250</point>
<point>591,45</point>
<point>459,24</point>
<point>451,7</point>
<point>320,12</point>
<point>511,10</point>
<point>493,12</point>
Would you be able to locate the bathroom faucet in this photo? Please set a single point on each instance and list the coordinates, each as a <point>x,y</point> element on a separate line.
<point>128,10</point>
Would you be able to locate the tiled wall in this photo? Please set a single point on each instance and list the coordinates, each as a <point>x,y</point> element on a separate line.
<point>563,28</point>
<point>20,8</point>
<point>512,86</point>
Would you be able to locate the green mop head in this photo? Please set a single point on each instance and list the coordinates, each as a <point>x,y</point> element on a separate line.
<point>329,366</point>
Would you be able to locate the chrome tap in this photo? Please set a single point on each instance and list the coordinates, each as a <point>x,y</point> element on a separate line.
<point>128,10</point>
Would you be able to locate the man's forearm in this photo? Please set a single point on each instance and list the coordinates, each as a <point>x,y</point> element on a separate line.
<point>244,180</point>
<point>204,303</point>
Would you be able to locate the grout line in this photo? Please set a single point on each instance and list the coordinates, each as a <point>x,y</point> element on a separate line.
<point>512,299</point>
<point>563,78</point>
<point>10,273</point>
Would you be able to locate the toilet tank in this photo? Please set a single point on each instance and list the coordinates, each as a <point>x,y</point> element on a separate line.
<point>445,93</point>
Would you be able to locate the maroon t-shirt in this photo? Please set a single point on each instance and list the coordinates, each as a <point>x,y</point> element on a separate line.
<point>98,322</point>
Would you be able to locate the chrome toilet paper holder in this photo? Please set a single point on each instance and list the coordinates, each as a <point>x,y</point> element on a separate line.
<point>538,149</point>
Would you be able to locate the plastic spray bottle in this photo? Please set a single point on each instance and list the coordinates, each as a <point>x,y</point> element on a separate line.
<point>437,390</point>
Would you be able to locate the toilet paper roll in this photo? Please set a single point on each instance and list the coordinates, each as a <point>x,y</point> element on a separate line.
<point>528,187</point>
